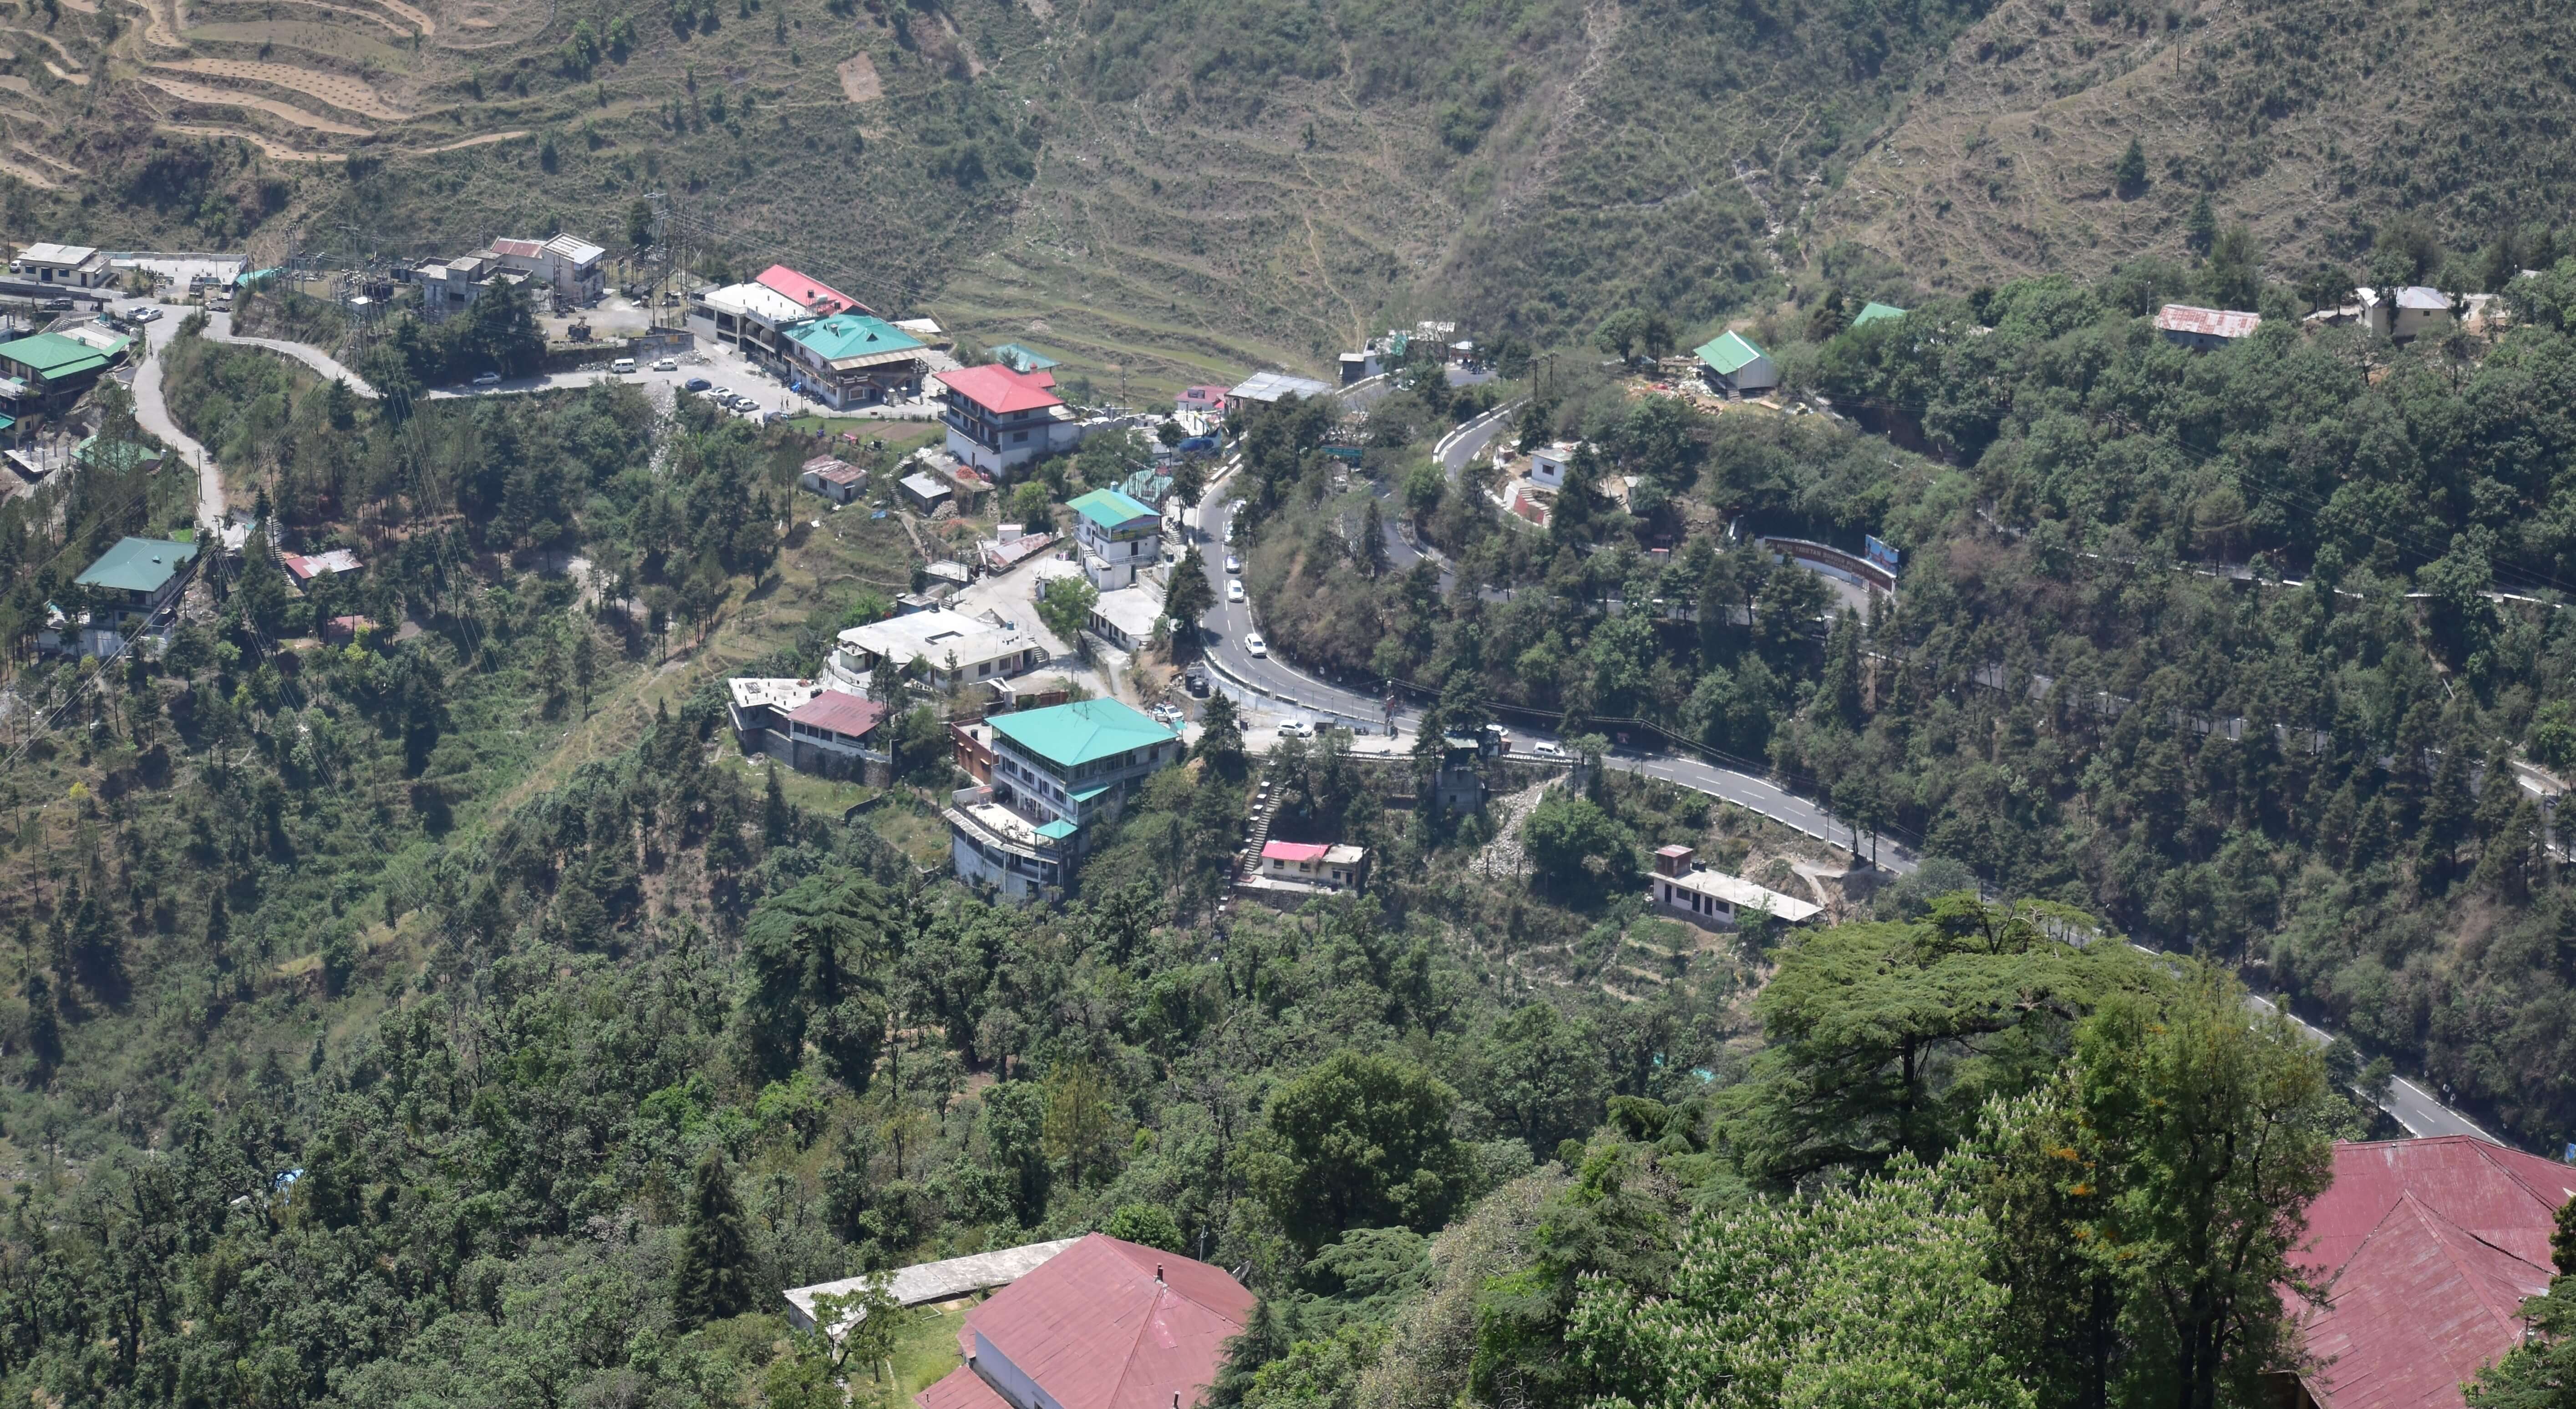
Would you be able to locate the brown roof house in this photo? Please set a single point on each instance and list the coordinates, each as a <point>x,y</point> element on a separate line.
<point>2425,1250</point>
<point>1105,1324</point>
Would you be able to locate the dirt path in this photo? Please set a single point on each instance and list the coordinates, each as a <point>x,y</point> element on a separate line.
<point>347,94</point>
<point>485,140</point>
<point>32,175</point>
<point>227,98</point>
<point>268,146</point>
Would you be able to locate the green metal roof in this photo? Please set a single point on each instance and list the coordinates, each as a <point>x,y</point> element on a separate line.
<point>51,355</point>
<point>1085,731</point>
<point>1729,352</point>
<point>1087,794</point>
<point>852,335</point>
<point>138,564</point>
<point>1022,359</point>
<point>122,454</point>
<point>1109,508</point>
<point>1057,830</point>
<point>1876,311</point>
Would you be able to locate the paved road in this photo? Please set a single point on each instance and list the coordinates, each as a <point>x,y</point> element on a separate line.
<point>2418,1110</point>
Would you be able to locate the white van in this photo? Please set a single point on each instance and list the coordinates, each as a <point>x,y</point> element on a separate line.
<point>622,366</point>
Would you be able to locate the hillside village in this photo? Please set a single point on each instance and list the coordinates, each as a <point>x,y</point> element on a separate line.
<point>1016,758</point>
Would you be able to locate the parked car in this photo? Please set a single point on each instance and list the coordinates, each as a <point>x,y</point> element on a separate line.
<point>1252,642</point>
<point>696,384</point>
<point>147,314</point>
<point>1233,563</point>
<point>667,364</point>
<point>1234,590</point>
<point>1295,730</point>
<point>1196,682</point>
<point>488,379</point>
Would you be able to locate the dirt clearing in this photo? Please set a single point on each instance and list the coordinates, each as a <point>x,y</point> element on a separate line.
<point>859,81</point>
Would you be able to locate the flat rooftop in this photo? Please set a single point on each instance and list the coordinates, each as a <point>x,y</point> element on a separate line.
<point>934,635</point>
<point>925,1282</point>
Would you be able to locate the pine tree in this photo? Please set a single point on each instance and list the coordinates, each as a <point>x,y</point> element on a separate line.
<point>2201,230</point>
<point>777,819</point>
<point>44,1028</point>
<point>1221,738</point>
<point>219,932</point>
<point>714,1279</point>
<point>2129,174</point>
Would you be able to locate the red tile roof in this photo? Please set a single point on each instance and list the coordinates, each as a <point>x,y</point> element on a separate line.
<point>1000,390</point>
<point>1292,851</point>
<point>1105,1324</point>
<point>2426,1249</point>
<point>813,293</point>
<point>839,711</point>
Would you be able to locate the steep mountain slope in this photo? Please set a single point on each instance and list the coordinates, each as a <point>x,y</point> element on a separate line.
<point>2313,121</point>
<point>1171,190</point>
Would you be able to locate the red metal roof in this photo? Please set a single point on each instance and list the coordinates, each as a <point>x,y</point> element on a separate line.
<point>1106,1324</point>
<point>1292,851</point>
<point>961,1388</point>
<point>2426,1249</point>
<point>839,711</point>
<point>813,293</point>
<point>518,249</point>
<point>2208,322</point>
<point>1000,390</point>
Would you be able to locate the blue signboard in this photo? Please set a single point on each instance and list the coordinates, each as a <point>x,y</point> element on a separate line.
<point>1881,554</point>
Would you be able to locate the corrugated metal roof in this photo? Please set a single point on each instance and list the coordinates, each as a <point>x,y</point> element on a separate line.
<point>1271,386</point>
<point>1069,735</point>
<point>2206,322</point>
<point>839,711</point>
<point>138,564</point>
<point>1729,352</point>
<point>1874,311</point>
<point>2422,299</point>
<point>1110,509</point>
<point>961,1388</point>
<point>1000,390</point>
<point>518,249</point>
<point>52,355</point>
<point>2426,1249</point>
<point>845,336</point>
<point>1098,1328</point>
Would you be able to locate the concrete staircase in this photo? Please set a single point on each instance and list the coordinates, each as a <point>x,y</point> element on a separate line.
<point>1247,862</point>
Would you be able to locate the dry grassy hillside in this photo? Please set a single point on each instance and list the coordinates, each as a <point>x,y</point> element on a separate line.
<point>2312,121</point>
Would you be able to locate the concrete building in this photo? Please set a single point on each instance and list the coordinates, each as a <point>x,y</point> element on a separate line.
<point>572,267</point>
<point>818,299</point>
<point>1547,463</point>
<point>1104,1324</point>
<point>52,370</point>
<point>130,586</point>
<point>751,317</point>
<point>1060,776</point>
<point>951,649</point>
<point>2204,329</point>
<point>1118,536</point>
<point>999,419</point>
<point>1716,899</point>
<point>1125,617</point>
<point>1736,365</point>
<point>71,266</point>
<point>925,492</point>
<point>2420,310</point>
<point>1201,400</point>
<point>757,707</point>
<point>836,734</point>
<point>832,477</point>
<point>1315,867</point>
<point>452,286</point>
<point>852,359</point>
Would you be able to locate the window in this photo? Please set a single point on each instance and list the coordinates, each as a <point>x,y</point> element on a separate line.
<point>1017,436</point>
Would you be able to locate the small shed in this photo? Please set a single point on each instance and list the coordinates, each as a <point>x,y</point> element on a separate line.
<point>925,492</point>
<point>832,477</point>
<point>2204,329</point>
<point>1736,364</point>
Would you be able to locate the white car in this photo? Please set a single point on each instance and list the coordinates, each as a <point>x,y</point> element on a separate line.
<point>1547,750</point>
<point>1295,730</point>
<point>1234,590</point>
<point>667,364</point>
<point>1252,642</point>
<point>1233,563</point>
<point>147,315</point>
<point>622,366</point>
<point>488,379</point>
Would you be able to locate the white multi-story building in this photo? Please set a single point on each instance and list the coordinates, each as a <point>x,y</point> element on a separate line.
<point>1120,538</point>
<point>953,649</point>
<point>1060,777</point>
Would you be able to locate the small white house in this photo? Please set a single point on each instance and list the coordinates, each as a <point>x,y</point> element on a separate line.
<point>1548,463</point>
<point>2420,310</point>
<point>74,266</point>
<point>834,478</point>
